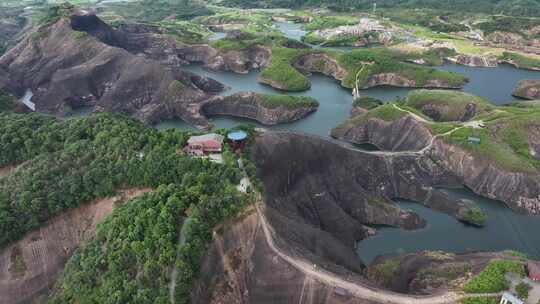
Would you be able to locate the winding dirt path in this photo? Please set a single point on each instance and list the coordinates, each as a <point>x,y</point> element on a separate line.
<point>356,289</point>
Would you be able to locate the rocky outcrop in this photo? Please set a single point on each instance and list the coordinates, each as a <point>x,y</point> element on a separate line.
<point>320,63</point>
<point>240,267</point>
<point>528,89</point>
<point>79,60</point>
<point>519,190</point>
<point>397,80</point>
<point>474,61</point>
<point>239,61</point>
<point>252,106</point>
<point>405,134</point>
<point>315,184</point>
<point>429,272</point>
<point>29,267</point>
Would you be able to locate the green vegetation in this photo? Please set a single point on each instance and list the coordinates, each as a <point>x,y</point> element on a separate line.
<point>55,12</point>
<point>522,290</point>
<point>79,35</point>
<point>508,24</point>
<point>290,102</point>
<point>381,60</point>
<point>186,31</point>
<point>68,163</point>
<point>475,215</point>
<point>246,40</point>
<point>436,20</point>
<point>7,102</point>
<point>451,105</point>
<point>156,10</point>
<point>480,300</point>
<point>386,271</point>
<point>516,254</point>
<point>521,61</point>
<point>282,74</point>
<point>492,278</point>
<point>249,22</point>
<point>325,22</point>
<point>446,272</point>
<point>441,127</point>
<point>72,162</point>
<point>367,103</point>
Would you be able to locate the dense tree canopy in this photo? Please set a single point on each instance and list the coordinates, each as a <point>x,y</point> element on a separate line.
<point>64,164</point>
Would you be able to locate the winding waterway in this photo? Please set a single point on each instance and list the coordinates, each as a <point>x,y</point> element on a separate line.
<point>504,229</point>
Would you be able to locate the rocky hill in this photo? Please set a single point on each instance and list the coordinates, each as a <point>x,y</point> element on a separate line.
<point>502,165</point>
<point>77,60</point>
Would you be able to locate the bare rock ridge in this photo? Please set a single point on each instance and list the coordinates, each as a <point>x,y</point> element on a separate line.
<point>240,267</point>
<point>528,89</point>
<point>252,106</point>
<point>31,266</point>
<point>405,134</point>
<point>238,61</point>
<point>81,61</point>
<point>323,188</point>
<point>518,190</point>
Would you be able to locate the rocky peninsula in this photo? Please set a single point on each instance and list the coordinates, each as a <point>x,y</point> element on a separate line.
<point>528,89</point>
<point>264,108</point>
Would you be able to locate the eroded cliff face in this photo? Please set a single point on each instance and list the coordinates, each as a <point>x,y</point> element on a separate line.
<point>405,134</point>
<point>322,185</point>
<point>251,105</point>
<point>519,190</point>
<point>397,80</point>
<point>238,61</point>
<point>81,61</point>
<point>240,267</point>
<point>474,61</point>
<point>30,266</point>
<point>528,89</point>
<point>320,63</point>
<point>429,272</point>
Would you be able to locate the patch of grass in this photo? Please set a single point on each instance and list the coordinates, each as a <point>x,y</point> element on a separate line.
<point>475,215</point>
<point>386,271</point>
<point>290,102</point>
<point>492,278</point>
<point>386,112</point>
<point>367,103</point>
<point>451,105</point>
<point>79,35</point>
<point>526,62</point>
<point>55,12</point>
<point>383,60</point>
<point>448,272</point>
<point>516,254</point>
<point>282,74</point>
<point>522,290</point>
<point>480,300</point>
<point>325,22</point>
<point>490,148</point>
<point>441,127</point>
<point>7,102</point>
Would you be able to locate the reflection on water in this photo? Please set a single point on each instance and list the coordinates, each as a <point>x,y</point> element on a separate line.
<point>504,230</point>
